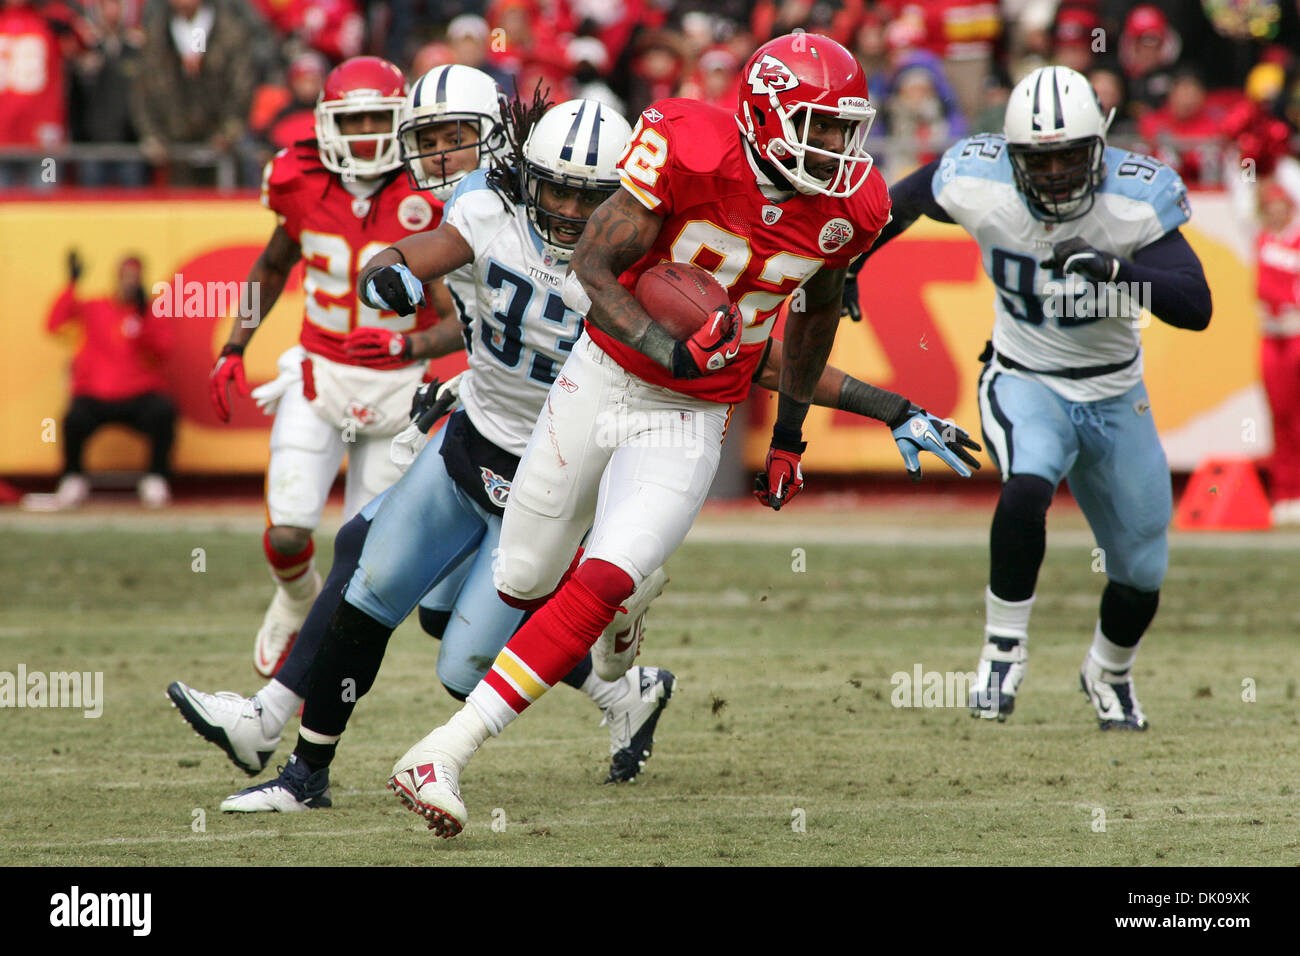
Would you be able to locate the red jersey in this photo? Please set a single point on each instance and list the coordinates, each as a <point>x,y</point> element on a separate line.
<point>121,350</point>
<point>339,234</point>
<point>32,111</point>
<point>686,161</point>
<point>1278,283</point>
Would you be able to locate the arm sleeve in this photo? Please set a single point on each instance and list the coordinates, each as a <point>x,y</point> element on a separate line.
<point>1180,296</point>
<point>66,308</point>
<point>913,197</point>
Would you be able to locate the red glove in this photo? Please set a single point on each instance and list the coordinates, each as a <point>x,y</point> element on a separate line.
<point>782,479</point>
<point>229,367</point>
<point>712,348</point>
<point>371,344</point>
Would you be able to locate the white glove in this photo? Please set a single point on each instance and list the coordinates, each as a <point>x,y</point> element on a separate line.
<point>406,445</point>
<point>289,369</point>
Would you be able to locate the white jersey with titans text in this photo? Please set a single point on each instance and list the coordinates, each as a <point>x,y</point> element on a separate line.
<point>518,331</point>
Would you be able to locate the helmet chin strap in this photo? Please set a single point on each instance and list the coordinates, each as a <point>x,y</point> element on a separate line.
<point>769,177</point>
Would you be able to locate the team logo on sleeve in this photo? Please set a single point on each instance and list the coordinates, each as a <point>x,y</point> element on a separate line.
<point>771,214</point>
<point>415,213</point>
<point>497,488</point>
<point>770,75</point>
<point>835,234</point>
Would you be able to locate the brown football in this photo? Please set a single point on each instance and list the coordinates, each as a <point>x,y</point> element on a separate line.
<point>680,297</point>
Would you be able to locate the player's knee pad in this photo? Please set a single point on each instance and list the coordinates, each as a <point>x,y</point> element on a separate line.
<point>518,597</point>
<point>1141,567</point>
<point>606,581</point>
<point>286,539</point>
<point>435,624</point>
<point>1026,498</point>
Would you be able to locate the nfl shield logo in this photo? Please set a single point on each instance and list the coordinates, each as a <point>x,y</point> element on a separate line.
<point>771,214</point>
<point>360,207</point>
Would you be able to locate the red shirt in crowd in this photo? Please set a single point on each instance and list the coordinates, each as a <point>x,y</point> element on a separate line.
<point>1278,255</point>
<point>122,349</point>
<point>32,109</point>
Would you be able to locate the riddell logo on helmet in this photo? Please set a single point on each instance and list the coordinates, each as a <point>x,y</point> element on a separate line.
<point>853,103</point>
<point>770,75</point>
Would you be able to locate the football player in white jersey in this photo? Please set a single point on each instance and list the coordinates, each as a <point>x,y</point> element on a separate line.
<point>345,389</point>
<point>439,524</point>
<point>1081,240</point>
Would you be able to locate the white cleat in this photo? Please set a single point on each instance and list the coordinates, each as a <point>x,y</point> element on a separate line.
<point>619,644</point>
<point>1112,694</point>
<point>231,722</point>
<point>295,788</point>
<point>154,491</point>
<point>997,681</point>
<point>280,628</point>
<point>427,781</point>
<point>632,720</point>
<point>72,493</point>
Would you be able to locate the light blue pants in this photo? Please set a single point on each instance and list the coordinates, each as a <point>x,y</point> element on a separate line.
<point>430,543</point>
<point>1108,451</point>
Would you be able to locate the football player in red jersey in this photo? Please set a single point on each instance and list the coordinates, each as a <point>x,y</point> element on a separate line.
<point>347,388</point>
<point>630,435</point>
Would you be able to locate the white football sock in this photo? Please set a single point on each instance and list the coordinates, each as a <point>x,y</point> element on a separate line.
<point>303,588</point>
<point>1110,655</point>
<point>279,704</point>
<point>605,692</point>
<point>1006,618</point>
<point>464,733</point>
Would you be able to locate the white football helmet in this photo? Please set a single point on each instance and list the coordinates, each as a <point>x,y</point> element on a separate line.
<point>575,145</point>
<point>452,94</point>
<point>1056,138</point>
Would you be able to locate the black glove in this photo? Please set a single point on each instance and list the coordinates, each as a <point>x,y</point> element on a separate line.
<point>432,400</point>
<point>74,265</point>
<point>394,288</point>
<point>849,307</point>
<point>1075,255</point>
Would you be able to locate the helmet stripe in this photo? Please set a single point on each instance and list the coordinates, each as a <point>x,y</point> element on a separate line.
<point>415,93</point>
<point>440,95</point>
<point>566,153</point>
<point>1037,84</point>
<point>593,147</point>
<point>1056,103</point>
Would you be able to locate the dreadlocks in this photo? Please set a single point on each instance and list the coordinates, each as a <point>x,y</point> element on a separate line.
<point>518,120</point>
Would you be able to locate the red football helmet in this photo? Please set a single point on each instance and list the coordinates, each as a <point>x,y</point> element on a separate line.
<point>787,82</point>
<point>363,84</point>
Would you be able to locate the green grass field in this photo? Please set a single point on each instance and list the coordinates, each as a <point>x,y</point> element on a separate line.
<point>783,715</point>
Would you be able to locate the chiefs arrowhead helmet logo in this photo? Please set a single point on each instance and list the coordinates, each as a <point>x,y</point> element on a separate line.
<point>770,75</point>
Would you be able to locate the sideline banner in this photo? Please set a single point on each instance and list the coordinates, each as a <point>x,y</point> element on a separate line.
<point>927,311</point>
<point>207,241</point>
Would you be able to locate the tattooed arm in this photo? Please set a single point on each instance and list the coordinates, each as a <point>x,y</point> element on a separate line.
<point>618,233</point>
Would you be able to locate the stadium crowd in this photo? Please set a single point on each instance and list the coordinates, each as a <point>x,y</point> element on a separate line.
<point>192,83</point>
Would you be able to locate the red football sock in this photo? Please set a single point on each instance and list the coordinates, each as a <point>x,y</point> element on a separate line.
<point>551,643</point>
<point>288,567</point>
